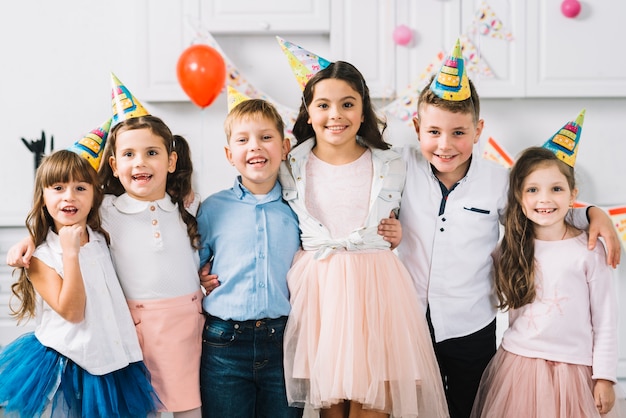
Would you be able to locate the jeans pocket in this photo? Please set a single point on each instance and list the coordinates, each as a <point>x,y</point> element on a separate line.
<point>218,335</point>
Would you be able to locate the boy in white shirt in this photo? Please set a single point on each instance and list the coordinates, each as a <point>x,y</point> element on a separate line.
<point>450,215</point>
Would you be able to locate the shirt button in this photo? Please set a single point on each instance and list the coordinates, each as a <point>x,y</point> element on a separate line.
<point>152,208</point>
<point>157,235</point>
<point>441,229</point>
<point>154,221</point>
<point>443,219</point>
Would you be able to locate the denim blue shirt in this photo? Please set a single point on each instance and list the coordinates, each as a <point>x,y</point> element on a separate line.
<point>251,243</point>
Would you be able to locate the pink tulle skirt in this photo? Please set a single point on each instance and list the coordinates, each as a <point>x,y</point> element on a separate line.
<point>357,331</point>
<point>517,386</point>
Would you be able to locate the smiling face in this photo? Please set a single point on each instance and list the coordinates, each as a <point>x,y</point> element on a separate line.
<point>256,148</point>
<point>546,199</point>
<point>335,113</point>
<point>142,162</point>
<point>447,140</point>
<point>69,203</point>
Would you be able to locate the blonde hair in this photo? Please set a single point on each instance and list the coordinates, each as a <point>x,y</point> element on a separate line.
<point>253,108</point>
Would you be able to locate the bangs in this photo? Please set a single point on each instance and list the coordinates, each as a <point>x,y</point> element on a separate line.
<point>64,168</point>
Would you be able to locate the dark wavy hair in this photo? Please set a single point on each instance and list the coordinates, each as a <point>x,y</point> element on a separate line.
<point>372,127</point>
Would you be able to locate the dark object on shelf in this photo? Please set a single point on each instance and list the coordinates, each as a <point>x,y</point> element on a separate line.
<point>38,147</point>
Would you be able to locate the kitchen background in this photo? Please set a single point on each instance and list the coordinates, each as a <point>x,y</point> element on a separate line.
<point>534,68</point>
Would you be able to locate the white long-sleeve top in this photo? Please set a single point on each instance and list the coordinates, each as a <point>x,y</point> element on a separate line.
<point>574,316</point>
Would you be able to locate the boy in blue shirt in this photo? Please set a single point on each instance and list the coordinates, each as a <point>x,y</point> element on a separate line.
<point>249,235</point>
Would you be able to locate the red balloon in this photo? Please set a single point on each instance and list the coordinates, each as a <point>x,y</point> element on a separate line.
<point>201,73</point>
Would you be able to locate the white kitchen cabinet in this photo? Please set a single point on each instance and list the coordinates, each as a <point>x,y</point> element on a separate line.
<point>581,57</point>
<point>551,55</point>
<point>267,16</point>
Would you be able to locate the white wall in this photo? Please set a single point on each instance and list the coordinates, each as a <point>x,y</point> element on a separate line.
<point>56,58</point>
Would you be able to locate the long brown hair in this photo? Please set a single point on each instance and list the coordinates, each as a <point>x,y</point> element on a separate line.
<point>372,127</point>
<point>62,166</point>
<point>515,260</point>
<point>179,183</point>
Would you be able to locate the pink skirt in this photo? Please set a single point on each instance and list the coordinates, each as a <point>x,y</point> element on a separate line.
<point>357,331</point>
<point>170,335</point>
<point>514,386</point>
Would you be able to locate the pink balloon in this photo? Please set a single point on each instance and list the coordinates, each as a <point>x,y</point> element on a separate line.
<point>402,35</point>
<point>570,8</point>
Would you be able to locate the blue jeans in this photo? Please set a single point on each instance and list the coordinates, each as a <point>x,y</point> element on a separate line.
<point>241,371</point>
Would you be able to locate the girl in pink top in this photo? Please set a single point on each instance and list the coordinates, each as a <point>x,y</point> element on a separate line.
<point>558,358</point>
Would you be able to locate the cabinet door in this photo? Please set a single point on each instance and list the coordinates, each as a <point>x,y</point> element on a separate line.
<point>267,16</point>
<point>166,28</point>
<point>580,57</point>
<point>361,35</point>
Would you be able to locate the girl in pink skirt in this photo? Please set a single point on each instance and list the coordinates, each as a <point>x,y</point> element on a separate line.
<point>558,358</point>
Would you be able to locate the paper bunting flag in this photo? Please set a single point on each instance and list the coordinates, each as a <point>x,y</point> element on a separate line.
<point>618,215</point>
<point>91,146</point>
<point>124,104</point>
<point>564,143</point>
<point>303,63</point>
<point>494,152</point>
<point>474,63</point>
<point>405,106</point>
<point>234,97</point>
<point>451,82</point>
<point>236,80</point>
<point>488,24</point>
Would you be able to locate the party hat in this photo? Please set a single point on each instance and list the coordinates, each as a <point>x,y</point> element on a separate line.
<point>234,97</point>
<point>451,82</point>
<point>564,143</point>
<point>304,64</point>
<point>124,104</point>
<point>91,146</point>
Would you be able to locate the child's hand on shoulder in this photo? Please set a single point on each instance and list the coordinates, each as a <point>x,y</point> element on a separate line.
<point>604,395</point>
<point>391,230</point>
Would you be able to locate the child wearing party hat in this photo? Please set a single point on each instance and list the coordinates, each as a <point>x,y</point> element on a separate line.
<point>250,235</point>
<point>84,358</point>
<point>349,349</point>
<point>451,209</point>
<point>558,357</point>
<point>153,247</point>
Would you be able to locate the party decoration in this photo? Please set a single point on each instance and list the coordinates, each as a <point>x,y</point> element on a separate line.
<point>234,97</point>
<point>475,65</point>
<point>451,83</point>
<point>304,64</point>
<point>405,106</point>
<point>564,143</point>
<point>402,35</point>
<point>494,152</point>
<point>124,104</point>
<point>201,73</point>
<point>488,24</point>
<point>91,146</point>
<point>570,8</point>
<point>618,216</point>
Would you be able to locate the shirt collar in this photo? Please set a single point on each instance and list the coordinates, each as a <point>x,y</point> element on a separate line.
<point>241,192</point>
<point>127,204</point>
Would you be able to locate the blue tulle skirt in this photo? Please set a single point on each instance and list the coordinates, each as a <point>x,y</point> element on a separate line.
<point>35,378</point>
